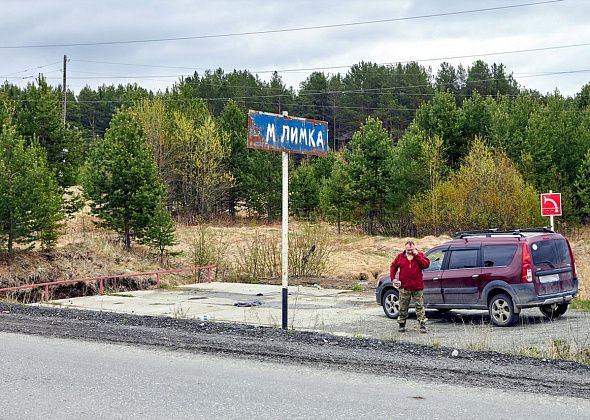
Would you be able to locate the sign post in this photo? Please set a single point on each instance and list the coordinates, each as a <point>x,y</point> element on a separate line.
<point>286,134</point>
<point>551,206</point>
<point>285,240</point>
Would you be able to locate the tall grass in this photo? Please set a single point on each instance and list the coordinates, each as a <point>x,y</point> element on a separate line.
<point>259,258</point>
<point>309,254</point>
<point>208,247</point>
<point>309,251</point>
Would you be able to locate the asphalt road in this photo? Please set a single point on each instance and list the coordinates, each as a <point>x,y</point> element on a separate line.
<point>45,377</point>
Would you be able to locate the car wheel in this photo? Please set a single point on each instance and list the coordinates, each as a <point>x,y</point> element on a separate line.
<point>390,303</point>
<point>502,311</point>
<point>554,311</point>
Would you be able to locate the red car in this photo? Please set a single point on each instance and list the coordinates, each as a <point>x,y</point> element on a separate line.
<point>499,271</point>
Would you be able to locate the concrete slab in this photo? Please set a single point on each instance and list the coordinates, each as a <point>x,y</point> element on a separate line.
<point>309,308</point>
<point>339,312</point>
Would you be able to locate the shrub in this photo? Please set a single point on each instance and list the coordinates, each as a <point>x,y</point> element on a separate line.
<point>486,191</point>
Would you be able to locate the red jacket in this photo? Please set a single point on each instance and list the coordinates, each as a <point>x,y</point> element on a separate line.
<point>410,272</point>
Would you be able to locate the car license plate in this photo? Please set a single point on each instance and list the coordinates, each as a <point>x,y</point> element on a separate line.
<point>549,278</point>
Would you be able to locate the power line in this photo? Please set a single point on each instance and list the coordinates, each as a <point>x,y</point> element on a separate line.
<point>30,76</point>
<point>329,107</point>
<point>31,69</point>
<point>274,31</point>
<point>380,90</point>
<point>305,69</point>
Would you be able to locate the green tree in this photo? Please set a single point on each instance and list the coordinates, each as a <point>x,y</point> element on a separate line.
<point>262,183</point>
<point>491,193</point>
<point>450,79</point>
<point>557,138</point>
<point>582,186</point>
<point>31,207</point>
<point>508,130</point>
<point>479,79</point>
<point>442,118</point>
<point>477,113</point>
<point>204,179</point>
<point>432,149</point>
<point>583,97</point>
<point>371,177</point>
<point>39,118</point>
<point>410,169</point>
<point>160,233</point>
<point>304,191</point>
<point>121,180</point>
<point>335,192</point>
<point>313,99</point>
<point>232,123</point>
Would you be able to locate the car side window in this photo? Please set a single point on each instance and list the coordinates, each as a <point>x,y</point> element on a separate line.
<point>463,258</point>
<point>436,258</point>
<point>498,255</point>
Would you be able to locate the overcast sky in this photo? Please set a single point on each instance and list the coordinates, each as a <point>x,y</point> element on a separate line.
<point>42,22</point>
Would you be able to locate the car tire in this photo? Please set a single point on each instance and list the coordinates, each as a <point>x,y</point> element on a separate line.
<point>501,309</point>
<point>390,303</point>
<point>554,311</point>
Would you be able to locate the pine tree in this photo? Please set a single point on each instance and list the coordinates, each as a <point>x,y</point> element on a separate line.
<point>304,191</point>
<point>262,183</point>
<point>160,232</point>
<point>371,161</point>
<point>335,193</point>
<point>232,123</point>
<point>121,180</point>
<point>582,186</point>
<point>31,207</point>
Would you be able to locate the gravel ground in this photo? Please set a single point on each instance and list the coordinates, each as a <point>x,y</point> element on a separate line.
<point>389,358</point>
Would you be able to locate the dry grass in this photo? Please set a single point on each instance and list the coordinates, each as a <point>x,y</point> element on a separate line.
<point>84,250</point>
<point>581,249</point>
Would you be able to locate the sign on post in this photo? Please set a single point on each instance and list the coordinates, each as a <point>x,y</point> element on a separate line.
<point>286,134</point>
<point>551,204</point>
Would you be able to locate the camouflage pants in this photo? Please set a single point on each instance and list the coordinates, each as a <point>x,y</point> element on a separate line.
<point>405,296</point>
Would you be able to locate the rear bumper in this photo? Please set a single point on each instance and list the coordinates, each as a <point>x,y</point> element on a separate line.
<point>527,298</point>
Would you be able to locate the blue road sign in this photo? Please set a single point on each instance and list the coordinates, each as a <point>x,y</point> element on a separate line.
<point>288,134</point>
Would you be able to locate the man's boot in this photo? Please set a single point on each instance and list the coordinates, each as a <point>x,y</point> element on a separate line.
<point>402,327</point>
<point>423,329</point>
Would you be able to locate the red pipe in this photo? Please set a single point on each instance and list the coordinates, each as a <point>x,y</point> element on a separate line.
<point>101,280</point>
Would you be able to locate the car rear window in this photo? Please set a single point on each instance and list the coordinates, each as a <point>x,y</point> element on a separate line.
<point>554,251</point>
<point>463,258</point>
<point>498,255</point>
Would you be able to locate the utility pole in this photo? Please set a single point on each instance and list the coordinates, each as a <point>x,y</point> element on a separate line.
<point>64,89</point>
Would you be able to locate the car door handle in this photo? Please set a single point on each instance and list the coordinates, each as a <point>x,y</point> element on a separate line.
<point>475,276</point>
<point>435,278</point>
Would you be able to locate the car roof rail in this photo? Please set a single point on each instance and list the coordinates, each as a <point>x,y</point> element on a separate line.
<point>542,229</point>
<point>496,232</point>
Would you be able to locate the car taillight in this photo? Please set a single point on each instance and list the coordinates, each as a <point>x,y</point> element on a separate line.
<point>526,275</point>
<point>572,257</point>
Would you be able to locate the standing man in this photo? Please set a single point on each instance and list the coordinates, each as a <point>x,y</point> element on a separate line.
<point>410,264</point>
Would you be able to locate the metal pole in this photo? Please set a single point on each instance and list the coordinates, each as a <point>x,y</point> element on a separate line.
<point>551,217</point>
<point>285,237</point>
<point>64,110</point>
